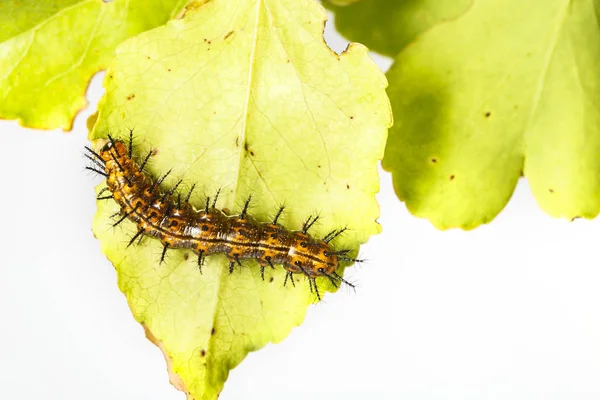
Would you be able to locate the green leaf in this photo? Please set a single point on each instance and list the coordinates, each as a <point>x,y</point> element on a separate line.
<point>511,86</point>
<point>246,97</point>
<point>49,50</point>
<point>387,26</point>
<point>342,2</point>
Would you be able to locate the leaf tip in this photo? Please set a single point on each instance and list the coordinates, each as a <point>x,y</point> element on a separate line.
<point>174,379</point>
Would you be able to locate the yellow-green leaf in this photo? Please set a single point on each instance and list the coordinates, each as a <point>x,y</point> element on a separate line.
<point>49,50</point>
<point>343,2</point>
<point>387,26</point>
<point>511,87</point>
<point>244,96</point>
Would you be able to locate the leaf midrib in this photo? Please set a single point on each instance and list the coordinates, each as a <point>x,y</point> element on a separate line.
<point>243,130</point>
<point>544,73</point>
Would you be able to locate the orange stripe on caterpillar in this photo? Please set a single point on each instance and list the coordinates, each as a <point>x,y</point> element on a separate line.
<point>178,225</point>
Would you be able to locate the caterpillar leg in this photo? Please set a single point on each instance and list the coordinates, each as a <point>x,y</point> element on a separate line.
<point>332,280</point>
<point>97,163</point>
<point>146,160</point>
<point>245,210</point>
<point>200,260</point>
<point>125,215</point>
<point>187,197</point>
<point>164,252</point>
<point>279,212</point>
<point>159,181</point>
<point>100,197</point>
<point>290,275</point>
<point>94,154</point>
<point>130,142</point>
<point>214,203</point>
<point>232,261</point>
<point>264,262</point>
<point>137,235</point>
<point>333,234</point>
<point>310,221</point>
<point>336,279</point>
<point>104,174</point>
<point>313,283</point>
<point>170,192</point>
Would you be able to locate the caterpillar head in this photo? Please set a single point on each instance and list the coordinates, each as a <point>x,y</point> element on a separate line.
<point>116,148</point>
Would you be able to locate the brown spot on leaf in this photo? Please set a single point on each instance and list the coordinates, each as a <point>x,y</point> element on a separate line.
<point>452,177</point>
<point>347,186</point>
<point>551,190</point>
<point>213,331</point>
<point>271,280</point>
<point>228,34</point>
<point>203,353</point>
<point>131,96</point>
<point>434,160</point>
<point>488,114</point>
<point>247,148</point>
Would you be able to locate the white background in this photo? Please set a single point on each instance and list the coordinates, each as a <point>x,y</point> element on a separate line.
<point>510,310</point>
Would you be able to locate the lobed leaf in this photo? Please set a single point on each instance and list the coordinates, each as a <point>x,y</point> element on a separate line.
<point>244,97</point>
<point>343,2</point>
<point>387,26</point>
<point>509,88</point>
<point>50,49</point>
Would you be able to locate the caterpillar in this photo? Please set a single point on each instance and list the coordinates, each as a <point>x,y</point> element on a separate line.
<point>161,214</point>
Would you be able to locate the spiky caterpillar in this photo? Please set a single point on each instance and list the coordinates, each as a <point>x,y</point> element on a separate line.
<point>177,224</point>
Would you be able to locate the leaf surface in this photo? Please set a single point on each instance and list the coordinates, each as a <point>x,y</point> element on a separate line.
<point>50,49</point>
<point>244,97</point>
<point>510,87</point>
<point>387,26</point>
<point>343,2</point>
